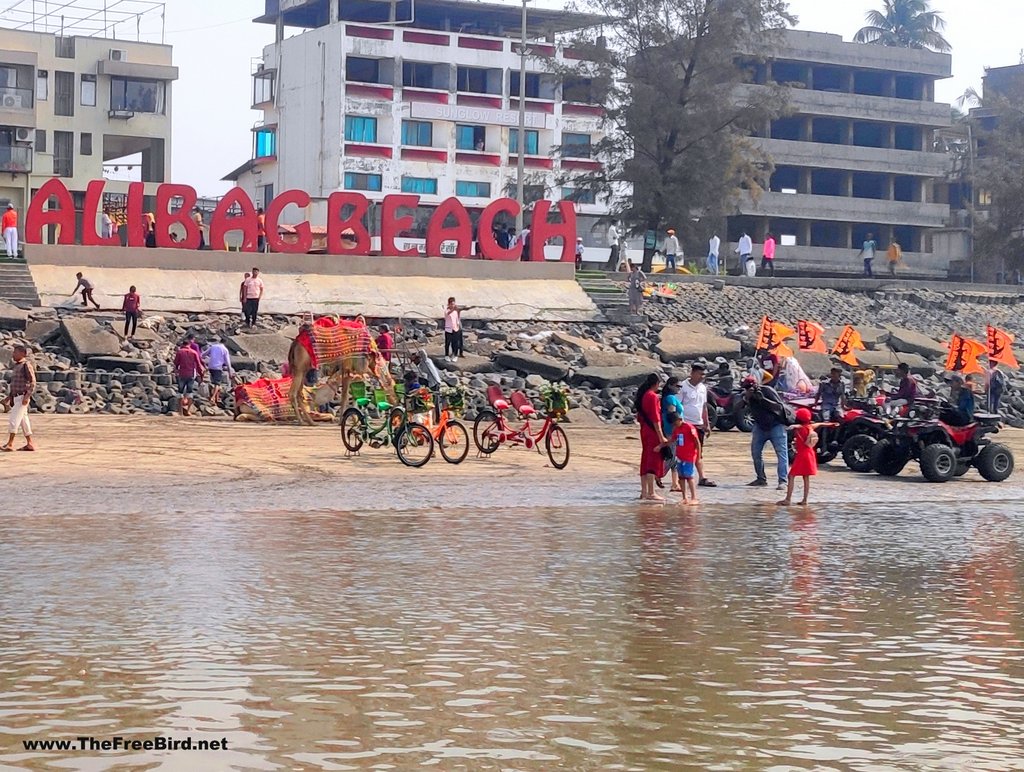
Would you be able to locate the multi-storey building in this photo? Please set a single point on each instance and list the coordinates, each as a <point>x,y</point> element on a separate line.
<point>426,105</point>
<point>69,105</point>
<point>855,154</point>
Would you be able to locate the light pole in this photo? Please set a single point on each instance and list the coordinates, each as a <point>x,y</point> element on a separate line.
<point>521,140</point>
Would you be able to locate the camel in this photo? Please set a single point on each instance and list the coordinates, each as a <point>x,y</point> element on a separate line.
<point>342,352</point>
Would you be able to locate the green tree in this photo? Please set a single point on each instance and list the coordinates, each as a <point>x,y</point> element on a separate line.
<point>670,75</point>
<point>905,24</point>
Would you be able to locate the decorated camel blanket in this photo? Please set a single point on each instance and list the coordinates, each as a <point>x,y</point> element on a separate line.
<point>266,399</point>
<point>348,346</point>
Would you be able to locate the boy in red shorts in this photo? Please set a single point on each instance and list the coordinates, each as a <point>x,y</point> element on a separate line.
<point>687,445</point>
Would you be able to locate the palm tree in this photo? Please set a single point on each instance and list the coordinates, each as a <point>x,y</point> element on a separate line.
<point>905,24</point>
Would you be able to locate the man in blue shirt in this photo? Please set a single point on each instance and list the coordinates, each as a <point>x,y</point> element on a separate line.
<point>218,362</point>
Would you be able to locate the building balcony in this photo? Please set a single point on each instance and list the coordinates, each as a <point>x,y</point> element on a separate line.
<point>427,154</point>
<point>17,107</point>
<point>533,105</point>
<point>819,155</point>
<point>474,99</point>
<point>369,90</point>
<point>435,95</point>
<point>477,157</point>
<point>425,38</point>
<point>368,150</point>
<point>804,206</point>
<point>856,106</point>
<point>15,159</point>
<point>582,109</point>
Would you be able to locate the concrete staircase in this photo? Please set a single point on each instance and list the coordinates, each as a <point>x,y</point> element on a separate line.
<point>16,284</point>
<point>605,294</point>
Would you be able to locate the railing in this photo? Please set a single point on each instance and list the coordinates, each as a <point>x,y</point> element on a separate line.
<point>14,158</point>
<point>16,98</point>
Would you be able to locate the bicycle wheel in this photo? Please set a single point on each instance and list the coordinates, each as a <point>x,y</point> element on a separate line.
<point>396,420</point>
<point>454,442</point>
<point>353,429</point>
<point>557,444</point>
<point>414,445</point>
<point>485,419</point>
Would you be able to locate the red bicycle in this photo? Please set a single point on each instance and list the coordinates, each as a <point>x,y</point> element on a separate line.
<point>490,430</point>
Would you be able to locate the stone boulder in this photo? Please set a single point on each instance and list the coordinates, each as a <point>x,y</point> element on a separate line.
<point>582,417</point>
<point>88,339</point>
<point>888,358</point>
<point>12,317</point>
<point>814,364</point>
<point>874,338</point>
<point>583,344</point>
<point>694,340</point>
<point>531,364</point>
<point>123,363</point>
<point>266,347</point>
<point>910,342</point>
<point>468,363</point>
<point>612,377</point>
<point>608,359</point>
<point>42,331</point>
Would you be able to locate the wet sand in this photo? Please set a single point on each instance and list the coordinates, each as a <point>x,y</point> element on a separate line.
<point>111,464</point>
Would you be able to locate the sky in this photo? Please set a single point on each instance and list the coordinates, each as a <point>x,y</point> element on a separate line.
<point>215,42</point>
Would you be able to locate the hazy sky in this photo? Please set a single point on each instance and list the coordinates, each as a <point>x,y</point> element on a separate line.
<point>215,41</point>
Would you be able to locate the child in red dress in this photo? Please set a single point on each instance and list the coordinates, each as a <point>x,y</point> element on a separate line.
<point>805,464</point>
<point>687,447</point>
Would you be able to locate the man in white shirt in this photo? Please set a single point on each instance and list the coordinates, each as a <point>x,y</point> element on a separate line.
<point>452,331</point>
<point>613,242</point>
<point>746,253</point>
<point>693,393</point>
<point>714,244</point>
<point>106,224</point>
<point>252,288</point>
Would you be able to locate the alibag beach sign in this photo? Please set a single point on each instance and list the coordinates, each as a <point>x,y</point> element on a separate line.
<point>347,234</point>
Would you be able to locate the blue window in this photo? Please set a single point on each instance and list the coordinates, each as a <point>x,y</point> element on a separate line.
<point>579,195</point>
<point>532,141</point>
<point>472,189</point>
<point>266,143</point>
<point>357,181</point>
<point>470,137</point>
<point>420,133</point>
<point>576,145</point>
<point>359,128</point>
<point>422,185</point>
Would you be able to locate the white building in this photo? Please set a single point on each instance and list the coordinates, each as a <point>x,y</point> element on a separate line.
<point>74,106</point>
<point>427,105</point>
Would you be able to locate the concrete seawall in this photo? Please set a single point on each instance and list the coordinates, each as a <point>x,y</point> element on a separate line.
<point>208,281</point>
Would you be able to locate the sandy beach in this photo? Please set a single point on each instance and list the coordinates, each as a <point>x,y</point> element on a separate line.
<point>119,464</point>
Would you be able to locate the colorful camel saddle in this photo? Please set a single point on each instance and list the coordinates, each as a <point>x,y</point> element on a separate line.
<point>265,398</point>
<point>342,345</point>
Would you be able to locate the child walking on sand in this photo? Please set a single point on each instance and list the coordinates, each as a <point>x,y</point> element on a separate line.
<point>687,445</point>
<point>805,464</point>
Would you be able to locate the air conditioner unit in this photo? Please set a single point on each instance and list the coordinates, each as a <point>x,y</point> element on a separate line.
<point>118,55</point>
<point>12,101</point>
<point>24,135</point>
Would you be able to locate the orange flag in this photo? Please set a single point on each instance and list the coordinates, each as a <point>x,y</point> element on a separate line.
<point>849,341</point>
<point>810,336</point>
<point>1000,347</point>
<point>963,355</point>
<point>772,335</point>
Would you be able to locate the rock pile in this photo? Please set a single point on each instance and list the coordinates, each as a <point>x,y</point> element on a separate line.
<point>85,365</point>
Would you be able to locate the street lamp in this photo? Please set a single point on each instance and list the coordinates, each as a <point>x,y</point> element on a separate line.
<point>521,160</point>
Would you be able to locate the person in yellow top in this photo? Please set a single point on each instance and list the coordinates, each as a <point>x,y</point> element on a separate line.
<point>895,255</point>
<point>9,226</point>
<point>197,215</point>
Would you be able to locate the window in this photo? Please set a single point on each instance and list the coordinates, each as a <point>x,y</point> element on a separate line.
<point>477,80</point>
<point>266,143</point>
<point>472,189</point>
<point>63,154</point>
<point>532,193</point>
<point>86,144</point>
<point>362,70</point>
<point>264,195</point>
<point>532,142</point>
<point>419,75</point>
<point>470,137</point>
<point>579,90</point>
<point>42,85</point>
<point>420,133</point>
<point>136,96</point>
<point>532,84</point>
<point>40,144</point>
<point>423,185</point>
<point>358,181</point>
<point>88,98</point>
<point>579,195</point>
<point>576,145</point>
<point>64,96</point>
<point>262,88</point>
<point>64,47</point>
<point>359,128</point>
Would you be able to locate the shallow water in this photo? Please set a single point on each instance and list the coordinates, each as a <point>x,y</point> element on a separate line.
<point>605,638</point>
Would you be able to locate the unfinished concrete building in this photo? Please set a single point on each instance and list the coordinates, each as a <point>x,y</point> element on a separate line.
<point>853,157</point>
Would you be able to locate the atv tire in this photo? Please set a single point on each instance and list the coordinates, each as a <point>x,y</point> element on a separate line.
<point>995,462</point>
<point>887,460</point>
<point>744,419</point>
<point>857,452</point>
<point>938,462</point>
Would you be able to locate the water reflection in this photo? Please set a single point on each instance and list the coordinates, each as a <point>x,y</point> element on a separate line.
<point>618,638</point>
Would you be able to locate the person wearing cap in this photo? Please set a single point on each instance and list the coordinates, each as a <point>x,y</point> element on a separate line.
<point>693,393</point>
<point>9,225</point>
<point>579,253</point>
<point>769,412</point>
<point>671,248</point>
<point>218,361</point>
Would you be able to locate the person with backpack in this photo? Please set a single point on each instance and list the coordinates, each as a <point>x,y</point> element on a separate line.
<point>652,438</point>
<point>771,417</point>
<point>996,387</point>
